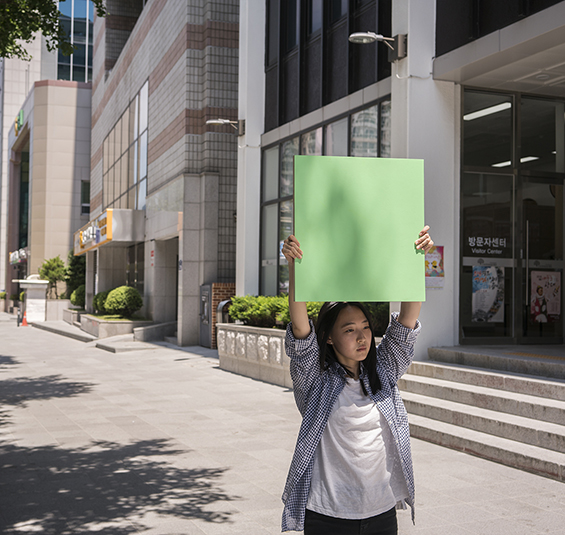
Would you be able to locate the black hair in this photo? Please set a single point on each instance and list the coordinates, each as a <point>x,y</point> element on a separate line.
<point>324,325</point>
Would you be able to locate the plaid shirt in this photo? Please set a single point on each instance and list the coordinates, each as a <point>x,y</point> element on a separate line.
<point>315,394</point>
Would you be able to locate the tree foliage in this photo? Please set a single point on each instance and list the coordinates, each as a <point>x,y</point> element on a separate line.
<point>124,301</point>
<point>21,20</point>
<point>54,271</point>
<point>76,272</point>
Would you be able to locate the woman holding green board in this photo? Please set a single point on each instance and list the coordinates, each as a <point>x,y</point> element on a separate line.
<point>352,464</point>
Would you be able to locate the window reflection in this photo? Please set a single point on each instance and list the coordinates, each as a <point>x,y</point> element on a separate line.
<point>336,138</point>
<point>311,143</point>
<point>365,133</point>
<point>487,129</point>
<point>289,151</point>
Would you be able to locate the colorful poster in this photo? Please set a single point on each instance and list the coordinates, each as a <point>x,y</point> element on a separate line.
<point>434,267</point>
<point>357,220</point>
<point>545,296</point>
<point>488,294</point>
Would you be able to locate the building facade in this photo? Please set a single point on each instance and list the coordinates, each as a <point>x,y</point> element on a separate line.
<point>48,176</point>
<point>479,97</point>
<point>160,71</point>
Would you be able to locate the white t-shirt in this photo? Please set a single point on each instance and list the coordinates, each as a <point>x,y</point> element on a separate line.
<point>356,471</point>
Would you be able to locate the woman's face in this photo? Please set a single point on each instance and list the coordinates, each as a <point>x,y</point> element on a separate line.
<point>351,338</point>
<point>540,291</point>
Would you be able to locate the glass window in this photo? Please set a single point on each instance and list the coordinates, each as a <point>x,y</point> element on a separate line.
<point>111,148</point>
<point>143,106</point>
<point>124,174</point>
<point>125,131</point>
<point>143,155</point>
<point>365,132</point>
<point>85,196</point>
<point>271,173</point>
<point>311,143</point>
<point>135,117</point>
<point>315,16</point>
<point>66,7</point>
<point>290,8</point>
<point>338,8</point>
<point>285,229</point>
<point>336,138</point>
<point>543,135</point>
<point>385,129</point>
<point>487,129</point>
<point>135,163</point>
<point>289,151</point>
<point>269,250</point>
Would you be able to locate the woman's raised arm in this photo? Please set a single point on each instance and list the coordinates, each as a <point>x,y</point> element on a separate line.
<point>298,313</point>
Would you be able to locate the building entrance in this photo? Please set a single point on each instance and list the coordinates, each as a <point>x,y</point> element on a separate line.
<point>512,220</point>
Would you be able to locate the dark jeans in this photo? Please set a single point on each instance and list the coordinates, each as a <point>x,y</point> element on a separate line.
<point>383,524</point>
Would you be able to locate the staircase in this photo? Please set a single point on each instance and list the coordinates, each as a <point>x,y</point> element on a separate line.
<point>513,419</point>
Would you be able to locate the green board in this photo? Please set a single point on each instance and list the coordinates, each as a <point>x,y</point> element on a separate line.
<point>357,220</point>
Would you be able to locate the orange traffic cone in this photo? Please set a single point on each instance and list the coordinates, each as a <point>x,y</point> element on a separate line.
<point>24,321</point>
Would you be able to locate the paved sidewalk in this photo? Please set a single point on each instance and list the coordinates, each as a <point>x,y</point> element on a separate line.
<point>162,441</point>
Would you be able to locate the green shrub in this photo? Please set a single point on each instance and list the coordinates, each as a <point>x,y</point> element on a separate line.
<point>22,296</point>
<point>15,298</point>
<point>78,296</point>
<point>258,311</point>
<point>99,301</point>
<point>2,295</point>
<point>266,311</point>
<point>380,316</point>
<point>124,301</point>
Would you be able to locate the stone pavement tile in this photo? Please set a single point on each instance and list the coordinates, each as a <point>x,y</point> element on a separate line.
<point>499,527</point>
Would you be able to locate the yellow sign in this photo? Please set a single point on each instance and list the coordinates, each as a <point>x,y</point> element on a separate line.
<point>18,122</point>
<point>94,234</point>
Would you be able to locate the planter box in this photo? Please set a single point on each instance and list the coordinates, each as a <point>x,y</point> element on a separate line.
<point>254,352</point>
<point>72,315</point>
<point>105,328</point>
<point>55,309</point>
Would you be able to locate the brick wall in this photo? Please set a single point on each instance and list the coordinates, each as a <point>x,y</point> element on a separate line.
<point>220,292</point>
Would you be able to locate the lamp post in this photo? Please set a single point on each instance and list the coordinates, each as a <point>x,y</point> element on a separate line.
<point>238,126</point>
<point>397,50</point>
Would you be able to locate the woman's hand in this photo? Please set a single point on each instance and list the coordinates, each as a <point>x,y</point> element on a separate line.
<point>291,249</point>
<point>424,241</point>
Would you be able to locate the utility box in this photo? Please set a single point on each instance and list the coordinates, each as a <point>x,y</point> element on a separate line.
<point>206,315</point>
<point>36,297</point>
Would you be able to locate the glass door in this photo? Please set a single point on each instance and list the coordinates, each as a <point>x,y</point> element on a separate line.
<point>542,261</point>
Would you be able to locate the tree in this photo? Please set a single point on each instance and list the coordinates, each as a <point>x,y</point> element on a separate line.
<point>76,272</point>
<point>54,271</point>
<point>21,20</point>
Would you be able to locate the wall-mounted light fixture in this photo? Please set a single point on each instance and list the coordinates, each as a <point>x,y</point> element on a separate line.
<point>239,125</point>
<point>398,48</point>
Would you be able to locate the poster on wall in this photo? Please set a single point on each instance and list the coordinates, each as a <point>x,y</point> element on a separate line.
<point>434,267</point>
<point>488,294</point>
<point>545,296</point>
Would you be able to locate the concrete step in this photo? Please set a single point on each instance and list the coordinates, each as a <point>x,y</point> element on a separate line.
<point>525,405</point>
<point>526,430</point>
<point>64,329</point>
<point>544,361</point>
<point>502,450</point>
<point>508,381</point>
<point>122,343</point>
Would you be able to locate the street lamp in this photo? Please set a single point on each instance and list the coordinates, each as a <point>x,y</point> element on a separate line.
<point>396,52</point>
<point>239,125</point>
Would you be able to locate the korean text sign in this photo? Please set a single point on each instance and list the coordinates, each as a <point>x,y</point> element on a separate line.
<point>357,220</point>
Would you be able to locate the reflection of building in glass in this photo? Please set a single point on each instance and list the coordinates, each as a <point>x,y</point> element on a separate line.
<point>365,133</point>
<point>76,18</point>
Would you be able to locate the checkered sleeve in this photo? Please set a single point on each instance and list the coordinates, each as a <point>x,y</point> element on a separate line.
<point>304,364</point>
<point>396,350</point>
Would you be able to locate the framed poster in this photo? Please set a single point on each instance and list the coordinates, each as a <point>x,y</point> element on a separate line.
<point>545,296</point>
<point>356,220</point>
<point>435,274</point>
<point>488,294</point>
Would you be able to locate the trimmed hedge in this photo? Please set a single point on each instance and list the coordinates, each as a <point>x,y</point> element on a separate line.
<point>99,301</point>
<point>272,311</point>
<point>124,301</point>
<point>78,296</point>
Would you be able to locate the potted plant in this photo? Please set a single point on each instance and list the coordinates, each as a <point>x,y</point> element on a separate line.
<point>2,301</point>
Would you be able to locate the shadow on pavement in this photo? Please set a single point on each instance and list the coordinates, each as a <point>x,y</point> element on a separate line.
<point>106,488</point>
